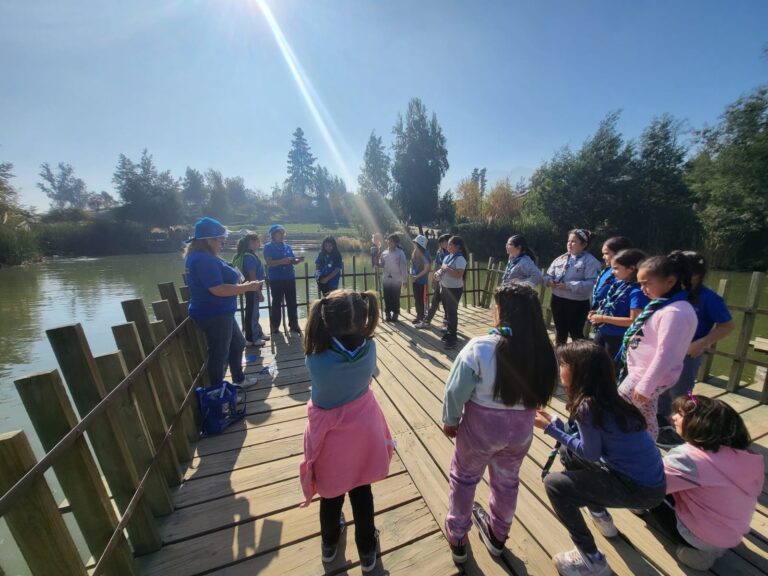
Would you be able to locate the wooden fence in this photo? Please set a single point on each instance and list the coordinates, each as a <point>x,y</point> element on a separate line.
<point>138,424</point>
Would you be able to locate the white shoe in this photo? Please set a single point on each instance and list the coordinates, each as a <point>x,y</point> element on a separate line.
<point>266,337</point>
<point>258,343</point>
<point>420,325</point>
<point>605,524</point>
<point>249,380</point>
<point>574,563</point>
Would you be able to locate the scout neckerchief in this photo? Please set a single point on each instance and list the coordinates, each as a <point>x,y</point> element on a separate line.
<point>618,290</point>
<point>350,355</point>
<point>450,259</point>
<point>634,330</point>
<point>501,331</point>
<point>611,279</point>
<point>576,258</point>
<point>510,266</point>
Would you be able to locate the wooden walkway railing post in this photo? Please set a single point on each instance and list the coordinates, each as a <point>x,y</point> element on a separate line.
<point>87,389</point>
<point>52,416</point>
<point>706,366</point>
<point>35,522</point>
<point>742,345</point>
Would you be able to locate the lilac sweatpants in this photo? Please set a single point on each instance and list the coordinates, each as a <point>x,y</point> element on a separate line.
<point>500,440</point>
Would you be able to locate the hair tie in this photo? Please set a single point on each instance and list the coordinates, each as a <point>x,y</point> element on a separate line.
<point>501,331</point>
<point>692,398</point>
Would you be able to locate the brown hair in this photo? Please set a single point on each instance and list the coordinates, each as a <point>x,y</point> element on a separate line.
<point>709,423</point>
<point>345,314</point>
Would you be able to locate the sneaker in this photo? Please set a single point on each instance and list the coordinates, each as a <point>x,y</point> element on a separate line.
<point>256,343</point>
<point>296,330</point>
<point>450,343</point>
<point>249,380</point>
<point>638,511</point>
<point>421,325</point>
<point>368,560</point>
<point>444,337</point>
<point>604,523</point>
<point>483,522</point>
<point>329,550</point>
<point>697,559</point>
<point>444,328</point>
<point>459,553</point>
<point>266,337</point>
<point>574,563</point>
<point>415,321</point>
<point>668,438</point>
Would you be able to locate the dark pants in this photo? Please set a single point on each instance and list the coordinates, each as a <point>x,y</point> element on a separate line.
<point>588,484</point>
<point>419,295</point>
<point>569,317</point>
<point>361,499</point>
<point>392,300</point>
<point>283,290</point>
<point>666,519</point>
<point>451,298</point>
<point>251,322</point>
<point>436,299</point>
<point>225,346</point>
<point>612,344</point>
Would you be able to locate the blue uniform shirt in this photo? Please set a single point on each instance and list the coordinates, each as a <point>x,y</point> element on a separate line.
<point>415,270</point>
<point>278,251</point>
<point>603,284</point>
<point>327,264</point>
<point>634,300</point>
<point>205,271</point>
<point>251,262</point>
<point>710,309</point>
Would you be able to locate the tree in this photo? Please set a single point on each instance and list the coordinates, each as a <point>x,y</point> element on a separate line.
<point>420,162</point>
<point>374,175</point>
<point>300,166</point>
<point>193,191</point>
<point>446,209</point>
<point>101,201</point>
<point>148,196</point>
<point>64,190</point>
<point>503,202</point>
<point>469,204</point>
<point>478,177</point>
<point>218,205</point>
<point>236,191</point>
<point>8,194</point>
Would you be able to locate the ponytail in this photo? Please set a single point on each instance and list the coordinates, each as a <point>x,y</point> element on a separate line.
<point>519,241</point>
<point>372,317</point>
<point>676,264</point>
<point>343,314</point>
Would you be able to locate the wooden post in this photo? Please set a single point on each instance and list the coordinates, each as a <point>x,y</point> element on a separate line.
<point>365,279</point>
<point>486,289</point>
<point>706,366</point>
<point>35,521</point>
<point>471,276</point>
<point>354,272</point>
<point>168,292</point>
<point>131,420</point>
<point>306,285</point>
<point>189,354</point>
<point>52,415</point>
<point>150,400</point>
<point>87,389</point>
<point>742,346</point>
<point>408,295</point>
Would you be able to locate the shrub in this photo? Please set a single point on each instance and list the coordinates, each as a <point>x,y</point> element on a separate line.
<point>92,238</point>
<point>17,245</point>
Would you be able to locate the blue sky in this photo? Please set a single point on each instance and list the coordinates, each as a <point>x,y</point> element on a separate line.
<point>203,83</point>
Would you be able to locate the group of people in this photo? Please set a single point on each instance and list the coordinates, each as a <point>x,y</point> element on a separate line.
<point>703,492</point>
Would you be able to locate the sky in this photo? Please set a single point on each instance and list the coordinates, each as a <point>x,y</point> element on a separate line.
<point>223,84</point>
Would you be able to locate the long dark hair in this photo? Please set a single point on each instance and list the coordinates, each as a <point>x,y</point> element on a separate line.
<point>630,257</point>
<point>526,368</point>
<point>697,266</point>
<point>593,387</point>
<point>519,241</point>
<point>242,244</point>
<point>334,255</point>
<point>345,314</point>
<point>676,264</point>
<point>617,244</point>
<point>709,423</point>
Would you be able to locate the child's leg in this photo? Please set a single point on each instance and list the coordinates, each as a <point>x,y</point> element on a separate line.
<point>236,347</point>
<point>248,320</point>
<point>361,499</point>
<point>647,408</point>
<point>684,384</point>
<point>504,472</point>
<point>256,331</point>
<point>559,317</point>
<point>330,512</point>
<point>578,310</point>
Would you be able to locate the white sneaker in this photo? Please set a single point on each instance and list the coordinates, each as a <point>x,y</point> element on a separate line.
<point>249,380</point>
<point>605,524</point>
<point>574,563</point>
<point>259,343</point>
<point>266,337</point>
<point>420,325</point>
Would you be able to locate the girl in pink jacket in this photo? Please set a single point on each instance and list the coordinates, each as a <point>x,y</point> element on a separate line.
<point>713,481</point>
<point>655,345</point>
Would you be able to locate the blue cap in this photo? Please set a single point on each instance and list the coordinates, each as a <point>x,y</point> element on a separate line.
<point>276,228</point>
<point>209,228</point>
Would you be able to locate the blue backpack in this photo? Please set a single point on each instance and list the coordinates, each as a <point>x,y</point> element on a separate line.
<point>220,407</point>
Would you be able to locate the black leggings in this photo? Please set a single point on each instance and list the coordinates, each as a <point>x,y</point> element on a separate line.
<point>569,317</point>
<point>419,293</point>
<point>361,499</point>
<point>392,300</point>
<point>451,298</point>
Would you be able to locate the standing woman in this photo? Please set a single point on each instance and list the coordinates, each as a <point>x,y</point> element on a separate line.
<point>521,266</point>
<point>451,278</point>
<point>213,289</point>
<point>572,277</point>
<point>611,247</point>
<point>394,275</point>
<point>329,266</point>
<point>282,279</point>
<point>623,303</point>
<point>249,264</point>
<point>420,267</point>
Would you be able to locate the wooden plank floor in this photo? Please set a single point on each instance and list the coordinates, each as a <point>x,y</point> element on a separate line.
<point>237,509</point>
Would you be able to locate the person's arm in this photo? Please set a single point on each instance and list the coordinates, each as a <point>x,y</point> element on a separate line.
<point>461,382</point>
<point>584,287</point>
<point>225,290</point>
<point>532,273</point>
<point>624,322</point>
<point>424,271</point>
<point>403,262</point>
<point>720,331</point>
<point>680,470</point>
<point>549,277</point>
<point>588,445</point>
<point>455,272</point>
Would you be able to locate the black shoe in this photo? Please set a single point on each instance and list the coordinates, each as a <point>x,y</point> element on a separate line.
<point>483,522</point>
<point>394,319</point>
<point>296,329</point>
<point>668,438</point>
<point>368,559</point>
<point>329,551</point>
<point>444,338</point>
<point>459,553</point>
<point>450,343</point>
<point>415,321</point>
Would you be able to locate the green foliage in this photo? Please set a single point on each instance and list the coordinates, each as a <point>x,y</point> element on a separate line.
<point>8,194</point>
<point>301,169</point>
<point>193,192</point>
<point>446,210</point>
<point>420,162</point>
<point>96,237</point>
<point>18,244</point>
<point>64,190</point>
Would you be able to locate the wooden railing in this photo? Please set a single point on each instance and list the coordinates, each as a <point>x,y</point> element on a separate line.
<point>140,419</point>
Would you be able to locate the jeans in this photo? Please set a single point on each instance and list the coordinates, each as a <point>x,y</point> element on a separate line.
<point>436,299</point>
<point>419,296</point>
<point>612,344</point>
<point>252,328</point>
<point>569,317</point>
<point>392,300</point>
<point>361,499</point>
<point>283,290</point>
<point>225,346</point>
<point>589,484</point>
<point>451,298</point>
<point>684,384</point>
<point>499,440</point>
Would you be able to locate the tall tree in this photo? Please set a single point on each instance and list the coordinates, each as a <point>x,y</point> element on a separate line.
<point>503,202</point>
<point>62,187</point>
<point>8,194</point>
<point>101,201</point>
<point>300,166</point>
<point>419,164</point>
<point>446,209</point>
<point>236,191</point>
<point>149,196</point>
<point>469,203</point>
<point>374,175</point>
<point>218,200</point>
<point>193,191</point>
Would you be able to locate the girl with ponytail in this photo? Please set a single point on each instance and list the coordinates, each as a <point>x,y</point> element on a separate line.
<point>655,345</point>
<point>347,444</point>
<point>521,266</point>
<point>491,396</point>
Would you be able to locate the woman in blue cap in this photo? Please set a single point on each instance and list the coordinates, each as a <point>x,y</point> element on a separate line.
<point>282,279</point>
<point>213,288</point>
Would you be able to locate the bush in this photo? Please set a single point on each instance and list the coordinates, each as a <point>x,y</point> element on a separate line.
<point>347,244</point>
<point>17,245</point>
<point>92,238</point>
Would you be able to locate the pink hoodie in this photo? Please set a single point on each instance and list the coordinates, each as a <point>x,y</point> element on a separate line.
<point>715,492</point>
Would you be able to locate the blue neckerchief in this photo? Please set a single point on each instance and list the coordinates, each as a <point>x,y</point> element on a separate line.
<point>510,266</point>
<point>350,355</point>
<point>448,260</point>
<point>618,290</point>
<point>576,258</point>
<point>501,331</point>
<point>608,270</point>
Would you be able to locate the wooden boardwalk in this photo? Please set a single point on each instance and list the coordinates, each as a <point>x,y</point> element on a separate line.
<point>237,509</point>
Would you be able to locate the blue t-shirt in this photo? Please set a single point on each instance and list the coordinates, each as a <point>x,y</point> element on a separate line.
<point>634,300</point>
<point>205,271</point>
<point>251,262</point>
<point>603,284</point>
<point>710,309</point>
<point>439,256</point>
<point>416,269</point>
<point>327,264</point>
<point>278,251</point>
